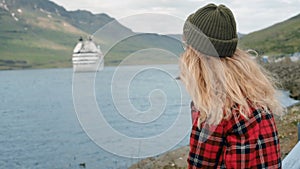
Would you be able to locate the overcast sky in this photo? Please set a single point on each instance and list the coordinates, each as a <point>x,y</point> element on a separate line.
<point>251,15</point>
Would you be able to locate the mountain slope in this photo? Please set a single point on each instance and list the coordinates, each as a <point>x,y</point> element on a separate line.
<point>146,48</point>
<point>87,21</point>
<point>281,38</point>
<point>33,38</point>
<point>82,19</point>
<point>41,34</point>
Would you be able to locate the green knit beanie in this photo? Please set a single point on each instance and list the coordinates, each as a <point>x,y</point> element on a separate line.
<point>212,31</point>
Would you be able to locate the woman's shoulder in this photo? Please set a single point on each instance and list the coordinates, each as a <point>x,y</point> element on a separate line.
<point>241,123</point>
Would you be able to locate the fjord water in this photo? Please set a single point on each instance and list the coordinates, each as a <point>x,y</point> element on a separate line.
<point>39,126</point>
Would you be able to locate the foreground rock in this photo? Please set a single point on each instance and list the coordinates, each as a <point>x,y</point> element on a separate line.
<point>175,159</point>
<point>287,130</point>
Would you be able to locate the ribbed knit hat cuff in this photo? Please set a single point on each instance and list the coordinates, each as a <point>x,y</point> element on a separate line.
<point>207,45</point>
<point>225,48</point>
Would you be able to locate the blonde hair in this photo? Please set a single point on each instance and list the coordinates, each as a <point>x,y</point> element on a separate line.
<point>217,84</point>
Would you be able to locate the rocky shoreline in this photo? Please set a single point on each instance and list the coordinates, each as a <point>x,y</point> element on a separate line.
<point>176,159</point>
<point>288,75</point>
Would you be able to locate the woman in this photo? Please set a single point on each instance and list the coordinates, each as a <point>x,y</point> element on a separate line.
<point>233,97</point>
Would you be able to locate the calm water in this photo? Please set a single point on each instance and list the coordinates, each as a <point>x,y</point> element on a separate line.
<point>39,126</point>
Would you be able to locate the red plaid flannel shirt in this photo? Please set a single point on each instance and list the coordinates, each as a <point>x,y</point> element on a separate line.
<point>235,143</point>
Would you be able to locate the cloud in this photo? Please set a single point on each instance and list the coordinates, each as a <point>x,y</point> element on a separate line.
<point>250,15</point>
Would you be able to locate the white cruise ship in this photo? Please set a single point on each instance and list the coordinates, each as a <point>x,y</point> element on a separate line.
<point>87,56</point>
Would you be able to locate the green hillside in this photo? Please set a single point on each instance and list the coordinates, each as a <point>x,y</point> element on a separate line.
<point>281,38</point>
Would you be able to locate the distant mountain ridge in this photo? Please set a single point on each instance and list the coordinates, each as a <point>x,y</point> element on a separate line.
<point>81,19</point>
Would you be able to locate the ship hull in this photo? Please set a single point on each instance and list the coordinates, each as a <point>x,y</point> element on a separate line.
<point>87,62</point>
